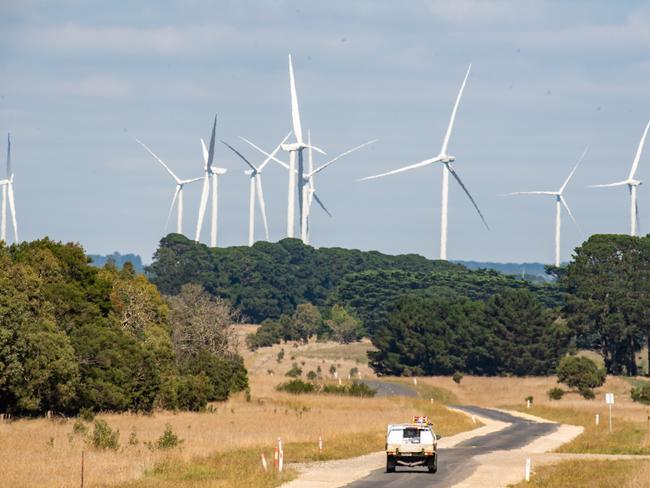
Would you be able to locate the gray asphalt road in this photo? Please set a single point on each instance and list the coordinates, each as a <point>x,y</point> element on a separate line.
<point>456,464</point>
<point>390,389</point>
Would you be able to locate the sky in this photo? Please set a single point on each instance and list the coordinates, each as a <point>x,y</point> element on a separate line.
<point>80,80</point>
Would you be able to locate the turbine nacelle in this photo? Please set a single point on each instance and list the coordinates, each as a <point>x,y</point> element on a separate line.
<point>293,146</point>
<point>445,158</point>
<point>218,171</point>
<point>633,182</point>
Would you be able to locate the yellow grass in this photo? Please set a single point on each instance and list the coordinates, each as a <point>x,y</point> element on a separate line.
<point>41,452</point>
<point>591,474</point>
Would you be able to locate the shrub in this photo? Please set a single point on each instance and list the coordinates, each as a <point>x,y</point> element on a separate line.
<point>361,390</point>
<point>334,389</point>
<point>354,372</point>
<point>529,398</point>
<point>194,392</point>
<point>311,376</point>
<point>295,371</point>
<point>296,387</point>
<point>332,369</point>
<point>586,393</point>
<point>555,393</point>
<point>86,414</point>
<point>457,377</point>
<point>168,440</point>
<point>641,394</point>
<point>580,372</point>
<point>104,437</point>
<point>79,428</point>
<point>280,356</point>
<point>133,438</point>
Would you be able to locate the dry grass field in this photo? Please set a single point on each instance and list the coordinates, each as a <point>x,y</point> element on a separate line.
<point>42,452</point>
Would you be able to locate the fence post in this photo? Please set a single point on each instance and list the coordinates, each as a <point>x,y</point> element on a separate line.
<point>82,468</point>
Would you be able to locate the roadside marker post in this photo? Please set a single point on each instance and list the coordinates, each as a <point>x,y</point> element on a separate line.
<point>431,400</point>
<point>264,465</point>
<point>473,419</point>
<point>280,455</point>
<point>415,380</point>
<point>320,443</point>
<point>276,458</point>
<point>340,382</point>
<point>527,471</point>
<point>597,419</point>
<point>527,403</point>
<point>609,400</point>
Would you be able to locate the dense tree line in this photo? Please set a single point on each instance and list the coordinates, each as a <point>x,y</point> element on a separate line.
<point>77,337</point>
<point>509,334</point>
<point>269,280</point>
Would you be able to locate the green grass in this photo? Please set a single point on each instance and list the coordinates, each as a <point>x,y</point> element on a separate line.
<point>353,352</point>
<point>439,395</point>
<point>627,437</point>
<point>586,474</point>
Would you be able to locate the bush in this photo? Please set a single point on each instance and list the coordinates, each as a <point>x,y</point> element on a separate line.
<point>586,393</point>
<point>641,394</point>
<point>168,440</point>
<point>311,376</point>
<point>555,393</point>
<point>86,414</point>
<point>457,377</point>
<point>295,371</point>
<point>194,392</point>
<point>296,387</point>
<point>79,428</point>
<point>529,398</point>
<point>104,437</point>
<point>226,374</point>
<point>354,372</point>
<point>580,372</point>
<point>361,390</point>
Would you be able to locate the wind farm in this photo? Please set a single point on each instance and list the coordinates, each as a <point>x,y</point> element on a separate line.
<point>287,244</point>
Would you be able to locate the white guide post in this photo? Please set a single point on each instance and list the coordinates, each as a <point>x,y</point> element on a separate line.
<point>527,470</point>
<point>609,400</point>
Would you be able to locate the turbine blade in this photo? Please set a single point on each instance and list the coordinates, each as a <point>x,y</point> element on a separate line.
<point>12,208</point>
<point>262,204</point>
<point>206,156</point>
<point>171,207</point>
<point>159,160</point>
<point>566,182</point>
<point>566,206</point>
<point>295,112</point>
<point>453,113</point>
<point>318,149</point>
<point>275,151</point>
<point>321,204</point>
<point>211,149</point>
<point>310,161</point>
<point>202,206</point>
<point>252,166</point>
<point>321,168</point>
<point>455,175</point>
<point>635,165</point>
<point>273,158</point>
<point>426,162</point>
<point>618,183</point>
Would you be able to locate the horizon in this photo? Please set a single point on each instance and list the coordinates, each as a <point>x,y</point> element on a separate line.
<point>547,79</point>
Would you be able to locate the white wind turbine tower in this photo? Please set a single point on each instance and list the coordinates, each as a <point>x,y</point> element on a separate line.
<point>255,176</point>
<point>178,194</point>
<point>8,194</point>
<point>292,149</point>
<point>210,185</point>
<point>632,185</point>
<point>559,202</point>
<point>446,160</point>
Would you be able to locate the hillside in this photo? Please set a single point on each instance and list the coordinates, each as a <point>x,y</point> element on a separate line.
<point>99,261</point>
<point>530,271</point>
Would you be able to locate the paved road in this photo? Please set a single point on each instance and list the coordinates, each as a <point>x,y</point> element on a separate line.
<point>385,388</point>
<point>456,464</point>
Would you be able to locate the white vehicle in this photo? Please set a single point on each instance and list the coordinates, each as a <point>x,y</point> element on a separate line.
<point>412,444</point>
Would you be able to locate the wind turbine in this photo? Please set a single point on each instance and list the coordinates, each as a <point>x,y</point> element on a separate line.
<point>8,193</point>
<point>178,194</point>
<point>632,185</point>
<point>255,176</point>
<point>309,186</point>
<point>293,149</point>
<point>446,160</point>
<point>559,202</point>
<point>210,185</point>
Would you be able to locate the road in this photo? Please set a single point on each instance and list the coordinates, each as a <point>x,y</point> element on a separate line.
<point>384,388</point>
<point>457,463</point>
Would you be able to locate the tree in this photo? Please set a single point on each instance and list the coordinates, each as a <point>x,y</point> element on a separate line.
<point>307,320</point>
<point>608,301</point>
<point>580,372</point>
<point>201,322</point>
<point>345,327</point>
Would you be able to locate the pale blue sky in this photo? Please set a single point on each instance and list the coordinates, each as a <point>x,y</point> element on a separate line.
<point>80,79</point>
